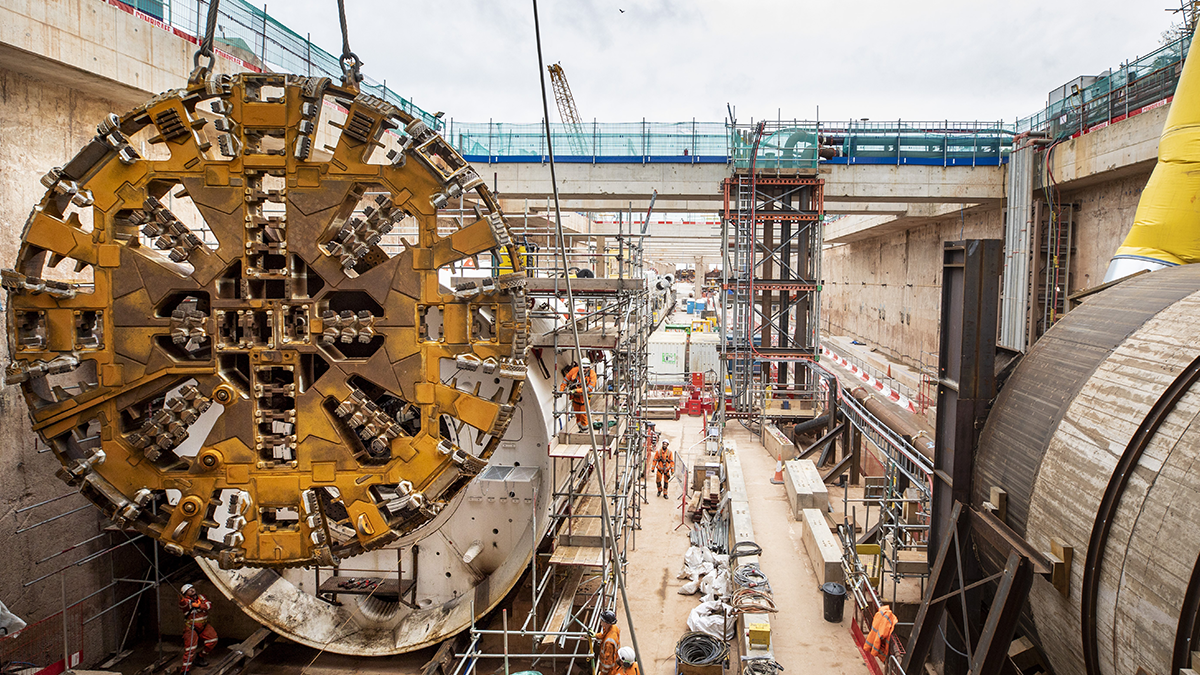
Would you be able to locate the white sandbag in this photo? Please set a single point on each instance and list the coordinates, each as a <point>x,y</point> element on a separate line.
<point>692,560</point>
<point>719,586</point>
<point>713,618</point>
<point>689,588</point>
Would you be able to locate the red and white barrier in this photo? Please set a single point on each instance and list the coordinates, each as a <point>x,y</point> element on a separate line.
<point>900,399</point>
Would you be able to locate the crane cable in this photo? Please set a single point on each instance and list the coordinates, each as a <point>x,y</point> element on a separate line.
<point>351,64</point>
<point>205,48</point>
<point>609,537</point>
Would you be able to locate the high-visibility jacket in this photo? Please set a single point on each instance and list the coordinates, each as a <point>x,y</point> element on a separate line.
<point>195,610</point>
<point>631,669</point>
<point>664,461</point>
<point>571,380</point>
<point>607,644</point>
<point>881,630</point>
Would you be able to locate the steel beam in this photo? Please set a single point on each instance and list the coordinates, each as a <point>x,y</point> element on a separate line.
<point>966,385</point>
<point>966,369</point>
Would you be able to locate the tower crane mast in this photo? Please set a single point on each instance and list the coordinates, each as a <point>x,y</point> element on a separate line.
<point>566,108</point>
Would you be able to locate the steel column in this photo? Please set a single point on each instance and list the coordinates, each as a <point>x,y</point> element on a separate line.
<point>966,385</point>
<point>966,370</point>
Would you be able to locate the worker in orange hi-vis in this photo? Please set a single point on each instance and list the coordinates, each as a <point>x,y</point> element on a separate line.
<point>198,634</point>
<point>629,664</point>
<point>664,467</point>
<point>652,437</point>
<point>608,642</point>
<point>579,381</point>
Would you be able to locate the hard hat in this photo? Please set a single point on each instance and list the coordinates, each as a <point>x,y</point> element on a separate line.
<point>627,655</point>
<point>185,588</point>
<point>666,443</point>
<point>585,362</point>
<point>608,616</point>
<point>650,424</point>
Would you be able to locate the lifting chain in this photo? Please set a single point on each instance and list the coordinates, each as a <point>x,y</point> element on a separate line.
<point>351,65</point>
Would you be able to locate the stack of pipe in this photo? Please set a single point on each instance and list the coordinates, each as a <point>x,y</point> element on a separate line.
<point>712,533</point>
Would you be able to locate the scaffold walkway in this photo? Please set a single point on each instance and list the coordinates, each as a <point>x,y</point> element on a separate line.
<point>573,574</point>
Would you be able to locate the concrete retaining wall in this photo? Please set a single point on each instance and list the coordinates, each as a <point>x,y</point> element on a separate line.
<point>886,291</point>
<point>64,65</point>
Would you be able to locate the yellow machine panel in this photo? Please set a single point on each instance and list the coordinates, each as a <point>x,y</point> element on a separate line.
<point>235,344</point>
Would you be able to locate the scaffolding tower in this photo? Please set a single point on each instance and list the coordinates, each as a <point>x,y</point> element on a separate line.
<point>572,576</point>
<point>771,267</point>
<point>896,510</point>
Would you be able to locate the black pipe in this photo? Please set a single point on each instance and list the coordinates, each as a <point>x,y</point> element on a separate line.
<point>809,425</point>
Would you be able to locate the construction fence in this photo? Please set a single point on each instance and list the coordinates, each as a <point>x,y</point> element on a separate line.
<point>250,36</point>
<point>1137,86</point>
<point>795,144</point>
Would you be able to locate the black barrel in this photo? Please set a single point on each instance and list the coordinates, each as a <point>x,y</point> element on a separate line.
<point>835,601</point>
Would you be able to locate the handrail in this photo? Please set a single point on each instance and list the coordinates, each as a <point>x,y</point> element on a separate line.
<point>787,144</point>
<point>915,466</point>
<point>252,37</point>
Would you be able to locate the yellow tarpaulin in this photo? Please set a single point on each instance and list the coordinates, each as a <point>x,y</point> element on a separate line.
<point>1166,227</point>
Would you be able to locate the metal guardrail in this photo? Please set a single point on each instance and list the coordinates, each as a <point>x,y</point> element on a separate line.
<point>625,142</point>
<point>907,459</point>
<point>884,378</point>
<point>253,37</point>
<point>802,144</point>
<point>1136,86</point>
<point>797,144</point>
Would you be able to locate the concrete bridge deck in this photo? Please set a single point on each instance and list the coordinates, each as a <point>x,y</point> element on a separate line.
<point>869,189</point>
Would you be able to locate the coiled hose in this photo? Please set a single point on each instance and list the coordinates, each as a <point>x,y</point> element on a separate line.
<point>700,649</point>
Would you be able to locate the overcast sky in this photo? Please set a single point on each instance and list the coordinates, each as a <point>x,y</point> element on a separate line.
<point>672,60</point>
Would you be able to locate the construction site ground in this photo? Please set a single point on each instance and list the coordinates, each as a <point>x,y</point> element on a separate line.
<point>801,639</point>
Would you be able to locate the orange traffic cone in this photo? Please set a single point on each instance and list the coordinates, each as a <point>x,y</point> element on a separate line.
<point>778,479</point>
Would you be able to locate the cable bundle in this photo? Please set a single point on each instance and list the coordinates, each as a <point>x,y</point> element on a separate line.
<point>750,575</point>
<point>700,649</point>
<point>754,590</point>
<point>742,549</point>
<point>753,600</point>
<point>761,665</point>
